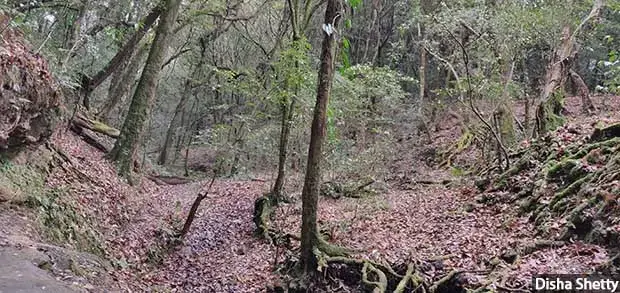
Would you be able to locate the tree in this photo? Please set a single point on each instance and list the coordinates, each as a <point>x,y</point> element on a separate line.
<point>189,84</point>
<point>121,57</point>
<point>300,19</point>
<point>310,237</point>
<point>130,138</point>
<point>548,112</point>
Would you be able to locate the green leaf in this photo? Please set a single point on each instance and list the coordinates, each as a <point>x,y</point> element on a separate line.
<point>345,43</point>
<point>355,3</point>
<point>346,62</point>
<point>347,23</point>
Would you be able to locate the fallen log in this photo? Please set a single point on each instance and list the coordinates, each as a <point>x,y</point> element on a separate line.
<point>90,139</point>
<point>80,119</point>
<point>168,180</point>
<point>337,190</point>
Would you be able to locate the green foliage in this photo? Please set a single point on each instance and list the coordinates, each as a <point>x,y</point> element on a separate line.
<point>293,70</point>
<point>362,117</point>
<point>344,55</point>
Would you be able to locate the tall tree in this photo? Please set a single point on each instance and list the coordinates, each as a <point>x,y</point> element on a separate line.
<point>300,19</point>
<point>127,144</point>
<point>310,237</point>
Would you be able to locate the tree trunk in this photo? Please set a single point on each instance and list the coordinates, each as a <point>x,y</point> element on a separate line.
<point>139,111</point>
<point>586,103</point>
<point>287,120</point>
<point>89,84</point>
<point>178,111</point>
<point>121,84</point>
<point>76,28</point>
<point>548,112</point>
<point>504,111</point>
<point>422,74</point>
<point>180,138</point>
<point>310,238</point>
<point>172,127</point>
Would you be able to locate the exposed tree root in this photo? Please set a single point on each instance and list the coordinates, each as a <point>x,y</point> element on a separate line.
<point>434,288</point>
<point>337,190</point>
<point>379,286</point>
<point>409,276</point>
<point>383,278</point>
<point>574,184</point>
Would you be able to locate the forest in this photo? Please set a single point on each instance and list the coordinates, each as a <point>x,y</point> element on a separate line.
<point>307,145</point>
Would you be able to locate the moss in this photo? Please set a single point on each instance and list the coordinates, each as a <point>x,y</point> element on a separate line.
<point>522,164</point>
<point>506,125</point>
<point>549,113</point>
<point>571,189</point>
<point>104,128</point>
<point>17,182</point>
<point>61,222</point>
<point>562,168</point>
<point>262,213</point>
<point>605,147</point>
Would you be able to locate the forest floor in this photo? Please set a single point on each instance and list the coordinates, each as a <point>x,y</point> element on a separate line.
<point>441,222</point>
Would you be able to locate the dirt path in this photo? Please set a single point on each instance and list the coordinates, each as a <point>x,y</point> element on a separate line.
<point>425,222</point>
<point>220,253</point>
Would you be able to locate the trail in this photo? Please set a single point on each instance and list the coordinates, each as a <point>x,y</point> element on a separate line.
<point>221,254</point>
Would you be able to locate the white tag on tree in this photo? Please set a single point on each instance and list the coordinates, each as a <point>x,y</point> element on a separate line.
<point>328,28</point>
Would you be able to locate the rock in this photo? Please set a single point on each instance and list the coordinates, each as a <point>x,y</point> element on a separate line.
<point>20,275</point>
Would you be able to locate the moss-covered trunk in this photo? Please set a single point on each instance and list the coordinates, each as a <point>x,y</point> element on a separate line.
<point>548,112</point>
<point>139,111</point>
<point>310,238</point>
